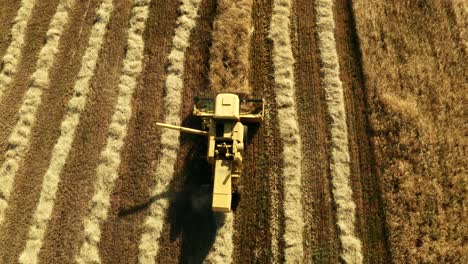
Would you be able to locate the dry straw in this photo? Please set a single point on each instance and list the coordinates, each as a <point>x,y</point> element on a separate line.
<point>68,127</point>
<point>229,53</point>
<point>152,227</point>
<point>339,149</point>
<point>12,56</point>
<point>283,61</point>
<point>107,170</point>
<point>222,248</point>
<point>19,140</point>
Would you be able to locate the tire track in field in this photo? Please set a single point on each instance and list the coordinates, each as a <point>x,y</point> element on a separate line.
<point>35,38</point>
<point>122,230</point>
<point>8,15</point>
<point>287,118</point>
<point>28,179</point>
<point>68,127</point>
<point>64,234</point>
<point>339,148</point>
<point>19,139</point>
<point>107,171</point>
<point>12,56</point>
<point>153,225</point>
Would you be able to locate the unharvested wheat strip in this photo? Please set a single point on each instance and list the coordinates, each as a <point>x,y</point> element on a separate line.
<point>283,61</point>
<point>229,53</point>
<point>13,53</point>
<point>152,227</point>
<point>107,170</point>
<point>339,149</point>
<point>67,133</point>
<point>19,139</point>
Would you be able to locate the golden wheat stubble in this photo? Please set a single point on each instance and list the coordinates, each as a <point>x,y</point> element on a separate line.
<point>46,131</point>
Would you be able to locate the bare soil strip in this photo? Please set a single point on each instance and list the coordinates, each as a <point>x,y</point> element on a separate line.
<point>12,56</point>
<point>284,88</point>
<point>229,53</point>
<point>8,11</point>
<point>28,179</point>
<point>19,140</point>
<point>108,169</point>
<point>153,225</point>
<point>339,148</point>
<point>121,231</point>
<point>370,222</point>
<point>64,234</point>
<point>68,127</point>
<point>36,30</point>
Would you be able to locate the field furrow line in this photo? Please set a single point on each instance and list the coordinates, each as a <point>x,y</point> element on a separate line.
<point>107,170</point>
<point>19,139</point>
<point>284,88</point>
<point>68,127</point>
<point>153,224</point>
<point>339,148</point>
<point>12,56</point>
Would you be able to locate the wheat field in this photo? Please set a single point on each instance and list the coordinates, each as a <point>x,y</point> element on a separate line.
<point>360,157</point>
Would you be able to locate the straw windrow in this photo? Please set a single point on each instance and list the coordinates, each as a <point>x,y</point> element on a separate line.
<point>107,170</point>
<point>19,139</point>
<point>68,127</point>
<point>339,148</point>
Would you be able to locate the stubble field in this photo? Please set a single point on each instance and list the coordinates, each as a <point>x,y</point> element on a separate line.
<point>360,158</point>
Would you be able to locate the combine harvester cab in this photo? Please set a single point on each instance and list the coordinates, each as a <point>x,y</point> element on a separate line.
<point>224,123</point>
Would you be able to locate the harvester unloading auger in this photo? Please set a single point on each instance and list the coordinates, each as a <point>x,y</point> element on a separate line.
<point>225,127</point>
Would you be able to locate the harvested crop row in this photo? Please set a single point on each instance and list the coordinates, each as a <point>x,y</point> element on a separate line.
<point>107,170</point>
<point>339,149</point>
<point>153,225</point>
<point>12,56</point>
<point>229,53</point>
<point>20,137</point>
<point>284,88</point>
<point>68,127</point>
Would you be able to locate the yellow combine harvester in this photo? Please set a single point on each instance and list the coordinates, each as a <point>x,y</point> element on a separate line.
<point>225,127</point>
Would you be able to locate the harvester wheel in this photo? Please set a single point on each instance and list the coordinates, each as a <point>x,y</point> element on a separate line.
<point>236,197</point>
<point>246,135</point>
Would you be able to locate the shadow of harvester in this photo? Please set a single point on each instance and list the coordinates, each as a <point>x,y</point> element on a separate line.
<point>190,216</point>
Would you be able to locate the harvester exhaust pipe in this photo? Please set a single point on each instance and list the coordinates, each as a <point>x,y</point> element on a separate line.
<point>183,129</point>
